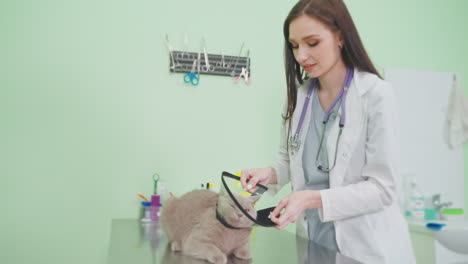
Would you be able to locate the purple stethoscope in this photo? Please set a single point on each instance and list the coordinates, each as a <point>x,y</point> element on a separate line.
<point>294,141</point>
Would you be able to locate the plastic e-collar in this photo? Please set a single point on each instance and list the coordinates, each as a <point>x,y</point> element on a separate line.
<point>262,215</point>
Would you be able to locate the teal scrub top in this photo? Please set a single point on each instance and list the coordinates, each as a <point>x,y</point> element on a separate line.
<point>322,233</point>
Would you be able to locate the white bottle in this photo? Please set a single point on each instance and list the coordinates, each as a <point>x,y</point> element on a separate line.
<point>416,206</point>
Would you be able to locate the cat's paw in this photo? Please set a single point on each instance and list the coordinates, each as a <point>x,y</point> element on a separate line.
<point>217,259</point>
<point>243,253</point>
<point>175,246</point>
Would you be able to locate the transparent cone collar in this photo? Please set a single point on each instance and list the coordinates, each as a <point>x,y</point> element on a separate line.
<point>236,207</point>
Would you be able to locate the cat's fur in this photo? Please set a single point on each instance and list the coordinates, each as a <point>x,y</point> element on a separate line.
<point>191,225</point>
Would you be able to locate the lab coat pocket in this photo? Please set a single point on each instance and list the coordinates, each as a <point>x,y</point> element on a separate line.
<point>369,249</point>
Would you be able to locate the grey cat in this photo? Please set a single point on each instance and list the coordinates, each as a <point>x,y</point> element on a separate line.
<point>192,227</point>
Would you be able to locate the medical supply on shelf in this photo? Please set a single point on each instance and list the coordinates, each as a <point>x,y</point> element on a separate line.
<point>162,192</point>
<point>145,212</point>
<point>453,214</point>
<point>155,181</point>
<point>453,211</point>
<point>435,226</point>
<point>192,77</point>
<point>430,214</point>
<point>219,64</point>
<point>142,197</point>
<point>416,208</point>
<point>209,186</point>
<point>154,208</point>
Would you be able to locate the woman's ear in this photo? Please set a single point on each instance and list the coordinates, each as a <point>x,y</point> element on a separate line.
<point>339,39</point>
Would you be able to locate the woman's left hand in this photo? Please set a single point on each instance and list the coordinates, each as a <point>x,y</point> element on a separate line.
<point>293,205</point>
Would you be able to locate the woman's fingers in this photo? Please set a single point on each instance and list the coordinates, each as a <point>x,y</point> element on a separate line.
<point>288,216</point>
<point>283,221</point>
<point>249,180</point>
<point>284,218</point>
<point>251,184</point>
<point>276,213</point>
<point>251,177</point>
<point>246,176</point>
<point>280,227</point>
<point>243,178</point>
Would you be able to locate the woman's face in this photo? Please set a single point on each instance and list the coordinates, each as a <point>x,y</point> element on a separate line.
<point>314,46</point>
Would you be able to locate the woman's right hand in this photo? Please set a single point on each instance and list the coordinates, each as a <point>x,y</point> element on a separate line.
<point>251,177</point>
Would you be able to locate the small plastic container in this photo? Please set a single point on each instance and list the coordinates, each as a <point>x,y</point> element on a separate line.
<point>155,206</point>
<point>415,203</point>
<point>430,214</point>
<point>145,212</point>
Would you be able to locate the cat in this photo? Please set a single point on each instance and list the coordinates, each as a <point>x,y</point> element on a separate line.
<point>191,225</point>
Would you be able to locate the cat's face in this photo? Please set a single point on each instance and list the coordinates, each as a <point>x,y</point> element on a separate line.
<point>233,215</point>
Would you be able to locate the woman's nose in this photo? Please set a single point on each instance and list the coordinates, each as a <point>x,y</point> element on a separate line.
<point>302,55</point>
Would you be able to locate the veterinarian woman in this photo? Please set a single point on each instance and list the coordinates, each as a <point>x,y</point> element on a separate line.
<point>339,141</point>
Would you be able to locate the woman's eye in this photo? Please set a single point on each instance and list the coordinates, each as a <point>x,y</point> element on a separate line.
<point>310,45</point>
<point>248,210</point>
<point>293,45</point>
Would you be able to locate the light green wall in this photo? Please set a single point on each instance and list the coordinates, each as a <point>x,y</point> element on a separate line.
<point>89,111</point>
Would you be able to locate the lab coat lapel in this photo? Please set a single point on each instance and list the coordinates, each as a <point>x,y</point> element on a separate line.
<point>349,135</point>
<point>299,182</point>
<point>301,94</point>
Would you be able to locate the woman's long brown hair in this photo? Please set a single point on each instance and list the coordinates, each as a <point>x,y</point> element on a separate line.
<point>334,15</point>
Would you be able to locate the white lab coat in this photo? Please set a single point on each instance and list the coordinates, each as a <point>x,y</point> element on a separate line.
<point>362,196</point>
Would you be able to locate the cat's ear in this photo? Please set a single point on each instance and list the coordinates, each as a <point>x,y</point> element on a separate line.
<point>254,198</point>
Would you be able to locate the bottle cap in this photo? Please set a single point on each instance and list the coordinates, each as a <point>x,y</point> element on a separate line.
<point>146,203</point>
